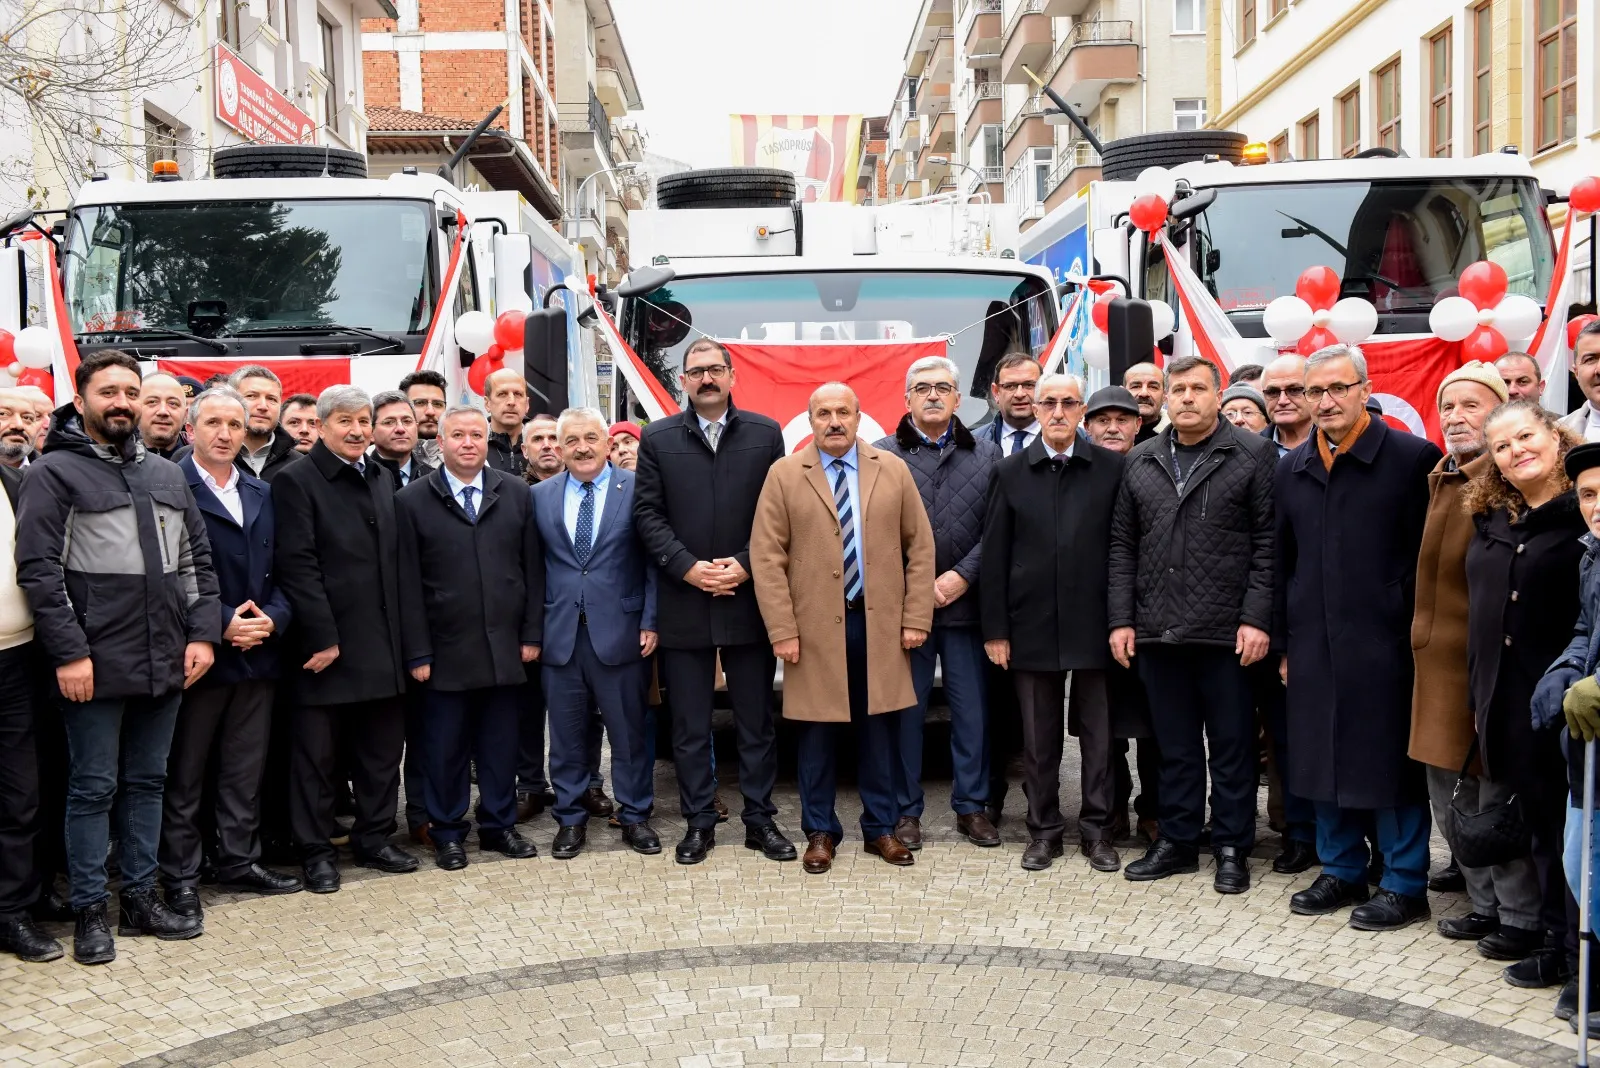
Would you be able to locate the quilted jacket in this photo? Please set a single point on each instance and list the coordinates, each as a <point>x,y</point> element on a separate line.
<point>1191,569</point>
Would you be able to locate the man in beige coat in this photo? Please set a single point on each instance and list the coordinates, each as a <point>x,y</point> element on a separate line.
<point>842,560</point>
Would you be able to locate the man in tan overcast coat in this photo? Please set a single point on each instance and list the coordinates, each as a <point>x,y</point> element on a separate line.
<point>842,560</point>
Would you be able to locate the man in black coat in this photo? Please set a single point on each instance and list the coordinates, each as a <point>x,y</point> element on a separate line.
<point>1045,541</point>
<point>1352,504</point>
<point>338,560</point>
<point>699,475</point>
<point>1191,593</point>
<point>471,594</point>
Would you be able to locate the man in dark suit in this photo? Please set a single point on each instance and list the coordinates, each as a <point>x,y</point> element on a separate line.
<point>338,561</point>
<point>599,629</point>
<point>229,711</point>
<point>700,475</point>
<point>471,587</point>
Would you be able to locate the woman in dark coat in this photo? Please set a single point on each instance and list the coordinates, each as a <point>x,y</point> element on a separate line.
<point>1522,590</point>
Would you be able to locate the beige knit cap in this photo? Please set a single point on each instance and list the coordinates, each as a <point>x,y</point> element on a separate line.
<point>1475,371</point>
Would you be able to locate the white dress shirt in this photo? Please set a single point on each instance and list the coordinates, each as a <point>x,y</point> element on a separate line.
<point>456,486</point>
<point>721,424</point>
<point>1008,435</point>
<point>1591,427</point>
<point>228,493</point>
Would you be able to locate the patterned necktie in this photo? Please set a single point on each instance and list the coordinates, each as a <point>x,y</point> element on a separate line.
<point>713,432</point>
<point>466,504</point>
<point>1017,438</point>
<point>847,531</point>
<point>583,540</point>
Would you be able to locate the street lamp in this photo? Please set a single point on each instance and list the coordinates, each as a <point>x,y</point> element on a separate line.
<point>577,197</point>
<point>946,161</point>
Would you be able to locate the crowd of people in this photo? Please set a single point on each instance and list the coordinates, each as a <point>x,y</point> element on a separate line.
<point>233,622</point>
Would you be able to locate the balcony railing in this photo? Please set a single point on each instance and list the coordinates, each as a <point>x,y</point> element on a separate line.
<point>972,92</point>
<point>992,174</point>
<point>1073,155</point>
<point>1030,110</point>
<point>600,125</point>
<point>1115,31</point>
<point>1027,7</point>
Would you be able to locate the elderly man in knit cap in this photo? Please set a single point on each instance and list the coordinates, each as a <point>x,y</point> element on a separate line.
<point>625,445</point>
<point>1244,407</point>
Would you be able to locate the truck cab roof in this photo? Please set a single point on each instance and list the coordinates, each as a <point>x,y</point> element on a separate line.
<point>395,187</point>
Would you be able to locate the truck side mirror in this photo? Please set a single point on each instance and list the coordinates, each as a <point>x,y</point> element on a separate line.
<point>1130,333</point>
<point>644,280</point>
<point>544,360</point>
<point>13,288</point>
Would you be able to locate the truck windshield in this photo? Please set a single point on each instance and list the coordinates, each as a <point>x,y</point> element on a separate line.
<point>249,263</point>
<point>1399,244</point>
<point>990,314</point>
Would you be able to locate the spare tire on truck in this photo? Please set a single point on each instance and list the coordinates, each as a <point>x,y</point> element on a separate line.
<point>287,161</point>
<point>725,187</point>
<point>1124,158</point>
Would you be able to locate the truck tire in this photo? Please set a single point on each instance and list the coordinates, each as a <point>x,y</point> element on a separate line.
<point>725,187</point>
<point>287,161</point>
<point>1123,159</point>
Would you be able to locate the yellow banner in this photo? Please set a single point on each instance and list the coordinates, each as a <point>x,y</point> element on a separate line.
<point>822,151</point>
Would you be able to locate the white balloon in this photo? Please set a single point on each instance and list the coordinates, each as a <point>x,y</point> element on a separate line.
<point>1097,350</point>
<point>475,331</point>
<point>7,379</point>
<point>1321,318</point>
<point>1453,318</point>
<point>1162,319</point>
<point>1353,320</point>
<point>35,347</point>
<point>1517,317</point>
<point>1287,320</point>
<point>1157,180</point>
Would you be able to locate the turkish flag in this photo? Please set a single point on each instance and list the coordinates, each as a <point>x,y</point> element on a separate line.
<point>1405,378</point>
<point>778,380</point>
<point>309,375</point>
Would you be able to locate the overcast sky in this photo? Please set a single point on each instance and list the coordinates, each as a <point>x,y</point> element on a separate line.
<point>697,61</point>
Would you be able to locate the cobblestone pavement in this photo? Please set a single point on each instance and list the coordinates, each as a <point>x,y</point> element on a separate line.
<point>619,959</point>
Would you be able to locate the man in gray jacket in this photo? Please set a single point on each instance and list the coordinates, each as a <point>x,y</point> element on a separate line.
<point>113,554</point>
<point>952,470</point>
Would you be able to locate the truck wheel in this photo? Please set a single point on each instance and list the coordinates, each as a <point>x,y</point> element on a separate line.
<point>725,187</point>
<point>287,161</point>
<point>1123,159</point>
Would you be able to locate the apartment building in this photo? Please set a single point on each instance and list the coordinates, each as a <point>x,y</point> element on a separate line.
<point>968,117</point>
<point>872,169</point>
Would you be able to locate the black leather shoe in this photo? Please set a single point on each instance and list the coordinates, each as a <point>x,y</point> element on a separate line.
<point>389,858</point>
<point>185,901</point>
<point>258,880</point>
<point>697,842</point>
<point>53,908</point>
<point>1295,858</point>
<point>641,838</point>
<point>770,841</point>
<point>1164,858</point>
<point>1567,1001</point>
<point>21,937</point>
<point>569,841</point>
<point>507,844</point>
<point>1040,854</point>
<point>1233,870</point>
<point>1328,894</point>
<point>450,856</point>
<point>1470,928</point>
<point>1389,911</point>
<point>1511,943</point>
<point>596,803</point>
<point>91,938</point>
<point>321,877</point>
<point>143,913</point>
<point>1448,879</point>
<point>1544,967</point>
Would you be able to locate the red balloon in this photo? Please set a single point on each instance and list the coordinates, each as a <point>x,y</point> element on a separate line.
<point>495,354</point>
<point>480,370</point>
<point>508,329</point>
<point>8,348</point>
<point>38,376</point>
<point>1483,283</point>
<point>1575,325</point>
<point>1585,195</point>
<point>1486,344</point>
<point>1101,312</point>
<point>1316,340</point>
<point>1148,213</point>
<point>1318,287</point>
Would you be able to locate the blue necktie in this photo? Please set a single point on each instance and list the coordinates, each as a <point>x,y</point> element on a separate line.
<point>1017,438</point>
<point>583,540</point>
<point>466,504</point>
<point>847,531</point>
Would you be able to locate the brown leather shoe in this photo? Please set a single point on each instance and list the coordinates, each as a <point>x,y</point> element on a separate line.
<point>819,853</point>
<point>1102,857</point>
<point>721,806</point>
<point>891,849</point>
<point>909,831</point>
<point>596,803</point>
<point>1121,829</point>
<point>977,829</point>
<point>421,836</point>
<point>1150,829</point>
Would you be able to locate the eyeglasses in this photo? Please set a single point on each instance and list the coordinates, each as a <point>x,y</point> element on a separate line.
<point>1337,391</point>
<point>1060,404</point>
<point>1272,393</point>
<point>1016,387</point>
<point>716,371</point>
<point>943,389</point>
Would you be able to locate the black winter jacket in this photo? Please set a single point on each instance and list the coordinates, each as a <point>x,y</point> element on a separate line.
<point>1193,569</point>
<point>953,483</point>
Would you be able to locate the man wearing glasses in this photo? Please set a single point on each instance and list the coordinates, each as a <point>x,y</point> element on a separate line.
<point>1283,384</point>
<point>1014,427</point>
<point>951,469</point>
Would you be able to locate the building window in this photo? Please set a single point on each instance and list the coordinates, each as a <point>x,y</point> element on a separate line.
<point>1188,113</point>
<point>1387,86</point>
<point>330,68</point>
<point>1278,148</point>
<point>1482,76</point>
<point>1439,85</point>
<point>1311,137</point>
<point>1247,21</point>
<point>228,23</point>
<point>992,151</point>
<point>160,141</point>
<point>1557,59</point>
<point>1043,160</point>
<point>1350,123</point>
<point>1276,8</point>
<point>1188,16</point>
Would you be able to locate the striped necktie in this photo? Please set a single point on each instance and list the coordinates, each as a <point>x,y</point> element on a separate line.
<point>847,531</point>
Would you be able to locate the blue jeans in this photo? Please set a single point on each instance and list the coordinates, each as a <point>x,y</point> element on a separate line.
<point>960,650</point>
<point>135,733</point>
<point>1402,839</point>
<point>1573,859</point>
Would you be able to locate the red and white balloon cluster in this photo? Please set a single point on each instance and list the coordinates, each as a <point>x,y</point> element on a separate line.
<point>492,339</point>
<point>1484,318</point>
<point>25,358</point>
<point>1096,347</point>
<point>1315,317</point>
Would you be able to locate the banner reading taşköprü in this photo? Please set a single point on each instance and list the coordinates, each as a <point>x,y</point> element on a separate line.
<point>820,150</point>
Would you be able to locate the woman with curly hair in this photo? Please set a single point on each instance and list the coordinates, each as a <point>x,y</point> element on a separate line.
<point>1522,592</point>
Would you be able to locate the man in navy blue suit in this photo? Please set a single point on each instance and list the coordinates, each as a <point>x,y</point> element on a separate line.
<point>599,631</point>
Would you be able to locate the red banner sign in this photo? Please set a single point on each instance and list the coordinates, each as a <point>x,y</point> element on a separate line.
<point>258,111</point>
<point>311,375</point>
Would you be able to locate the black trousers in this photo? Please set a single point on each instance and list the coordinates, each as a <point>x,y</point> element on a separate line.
<point>689,676</point>
<point>1200,703</point>
<point>20,703</point>
<point>412,768</point>
<point>1005,731</point>
<point>223,731</point>
<point>1041,702</point>
<point>1147,758</point>
<point>276,833</point>
<point>377,734</point>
